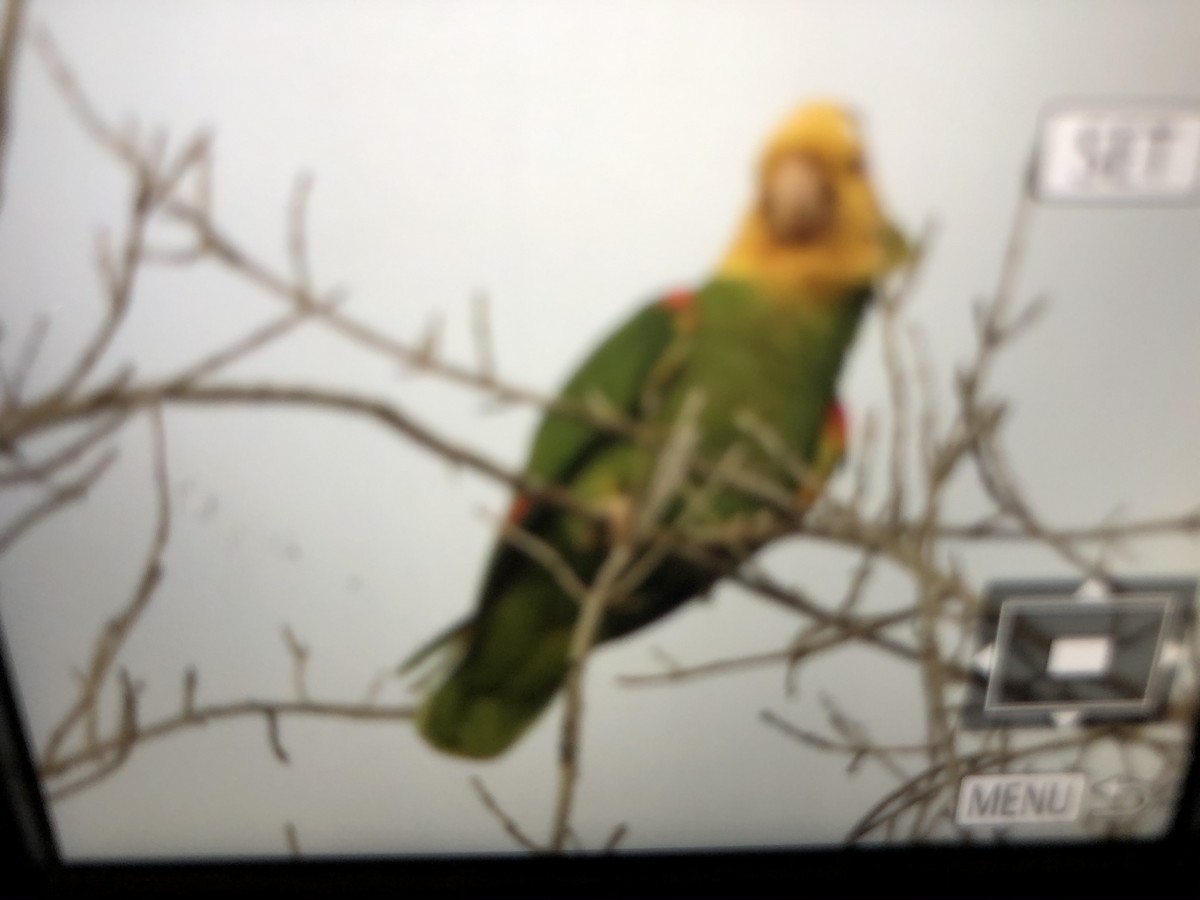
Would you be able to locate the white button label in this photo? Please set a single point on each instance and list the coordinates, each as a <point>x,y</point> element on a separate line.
<point>1015,798</point>
<point>1120,154</point>
<point>1080,657</point>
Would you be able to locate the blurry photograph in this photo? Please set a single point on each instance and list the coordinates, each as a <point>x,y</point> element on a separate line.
<point>599,427</point>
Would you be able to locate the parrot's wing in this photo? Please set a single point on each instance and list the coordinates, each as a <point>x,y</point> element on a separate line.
<point>616,375</point>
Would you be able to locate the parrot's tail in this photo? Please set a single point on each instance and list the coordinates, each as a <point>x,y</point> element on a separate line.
<point>465,718</point>
<point>509,671</point>
<point>438,657</point>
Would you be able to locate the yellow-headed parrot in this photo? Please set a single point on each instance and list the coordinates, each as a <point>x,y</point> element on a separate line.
<point>764,338</point>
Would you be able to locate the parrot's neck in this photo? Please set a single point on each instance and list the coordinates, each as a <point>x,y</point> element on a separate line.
<point>827,269</point>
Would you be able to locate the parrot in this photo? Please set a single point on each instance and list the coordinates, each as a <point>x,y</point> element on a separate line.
<point>765,336</point>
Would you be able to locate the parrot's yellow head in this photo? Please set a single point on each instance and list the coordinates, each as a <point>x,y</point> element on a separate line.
<point>816,227</point>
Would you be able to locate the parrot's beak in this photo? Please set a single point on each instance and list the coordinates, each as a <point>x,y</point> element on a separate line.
<point>797,199</point>
<point>899,251</point>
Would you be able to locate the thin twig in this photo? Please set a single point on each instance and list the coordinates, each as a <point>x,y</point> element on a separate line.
<point>297,232</point>
<point>273,738</point>
<point>43,469</point>
<point>990,530</point>
<point>55,500</point>
<point>545,555</point>
<point>583,636</point>
<point>123,743</point>
<point>292,837</point>
<point>481,329</point>
<point>857,749</point>
<point>119,627</point>
<point>10,32</point>
<point>510,825</point>
<point>14,385</point>
<point>191,681</point>
<point>833,636</point>
<point>614,839</point>
<point>299,654</point>
<point>200,716</point>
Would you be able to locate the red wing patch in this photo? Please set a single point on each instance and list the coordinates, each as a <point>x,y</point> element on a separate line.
<point>835,427</point>
<point>679,301</point>
<point>831,447</point>
<point>522,505</point>
<point>682,306</point>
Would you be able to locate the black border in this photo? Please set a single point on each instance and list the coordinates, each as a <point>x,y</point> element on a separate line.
<point>1142,869</point>
<point>24,818</point>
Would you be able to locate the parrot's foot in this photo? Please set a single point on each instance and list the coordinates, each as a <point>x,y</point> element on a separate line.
<point>745,534</point>
<point>618,512</point>
<point>613,524</point>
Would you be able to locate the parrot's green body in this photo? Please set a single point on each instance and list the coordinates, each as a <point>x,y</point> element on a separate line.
<point>767,350</point>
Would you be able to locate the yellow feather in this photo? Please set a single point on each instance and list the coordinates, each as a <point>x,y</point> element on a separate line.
<point>857,246</point>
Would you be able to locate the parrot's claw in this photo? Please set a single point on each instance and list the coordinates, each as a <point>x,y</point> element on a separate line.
<point>618,511</point>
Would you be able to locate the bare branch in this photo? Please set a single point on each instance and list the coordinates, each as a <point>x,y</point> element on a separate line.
<point>582,638</point>
<point>298,240</point>
<point>606,588</point>
<point>191,681</point>
<point>10,33</point>
<point>1014,255</point>
<point>856,747</point>
<point>933,780</point>
<point>796,601</point>
<point>42,470</point>
<point>864,465</point>
<point>237,350</point>
<point>119,627</point>
<point>201,716</point>
<point>375,687</point>
<point>674,672</point>
<point>292,837</point>
<point>544,554</point>
<point>898,397</point>
<point>829,637</point>
<point>273,740</point>
<point>126,737</point>
<point>614,839</point>
<point>998,479</point>
<point>57,499</point>
<point>481,329</point>
<point>807,641</point>
<point>14,385</point>
<point>510,825</point>
<point>36,419</point>
<point>928,419</point>
<point>893,302</point>
<point>68,87</point>
<point>299,654</point>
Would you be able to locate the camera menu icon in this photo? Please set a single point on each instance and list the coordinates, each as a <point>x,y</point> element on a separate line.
<point>1060,653</point>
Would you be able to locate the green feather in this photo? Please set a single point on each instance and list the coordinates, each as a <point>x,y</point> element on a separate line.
<point>746,351</point>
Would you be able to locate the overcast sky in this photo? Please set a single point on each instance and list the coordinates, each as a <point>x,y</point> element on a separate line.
<point>570,160</point>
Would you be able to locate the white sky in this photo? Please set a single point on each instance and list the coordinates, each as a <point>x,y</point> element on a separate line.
<point>570,160</point>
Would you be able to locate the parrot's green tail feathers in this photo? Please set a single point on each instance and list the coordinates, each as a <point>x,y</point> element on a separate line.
<point>475,726</point>
<point>438,657</point>
<point>479,712</point>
